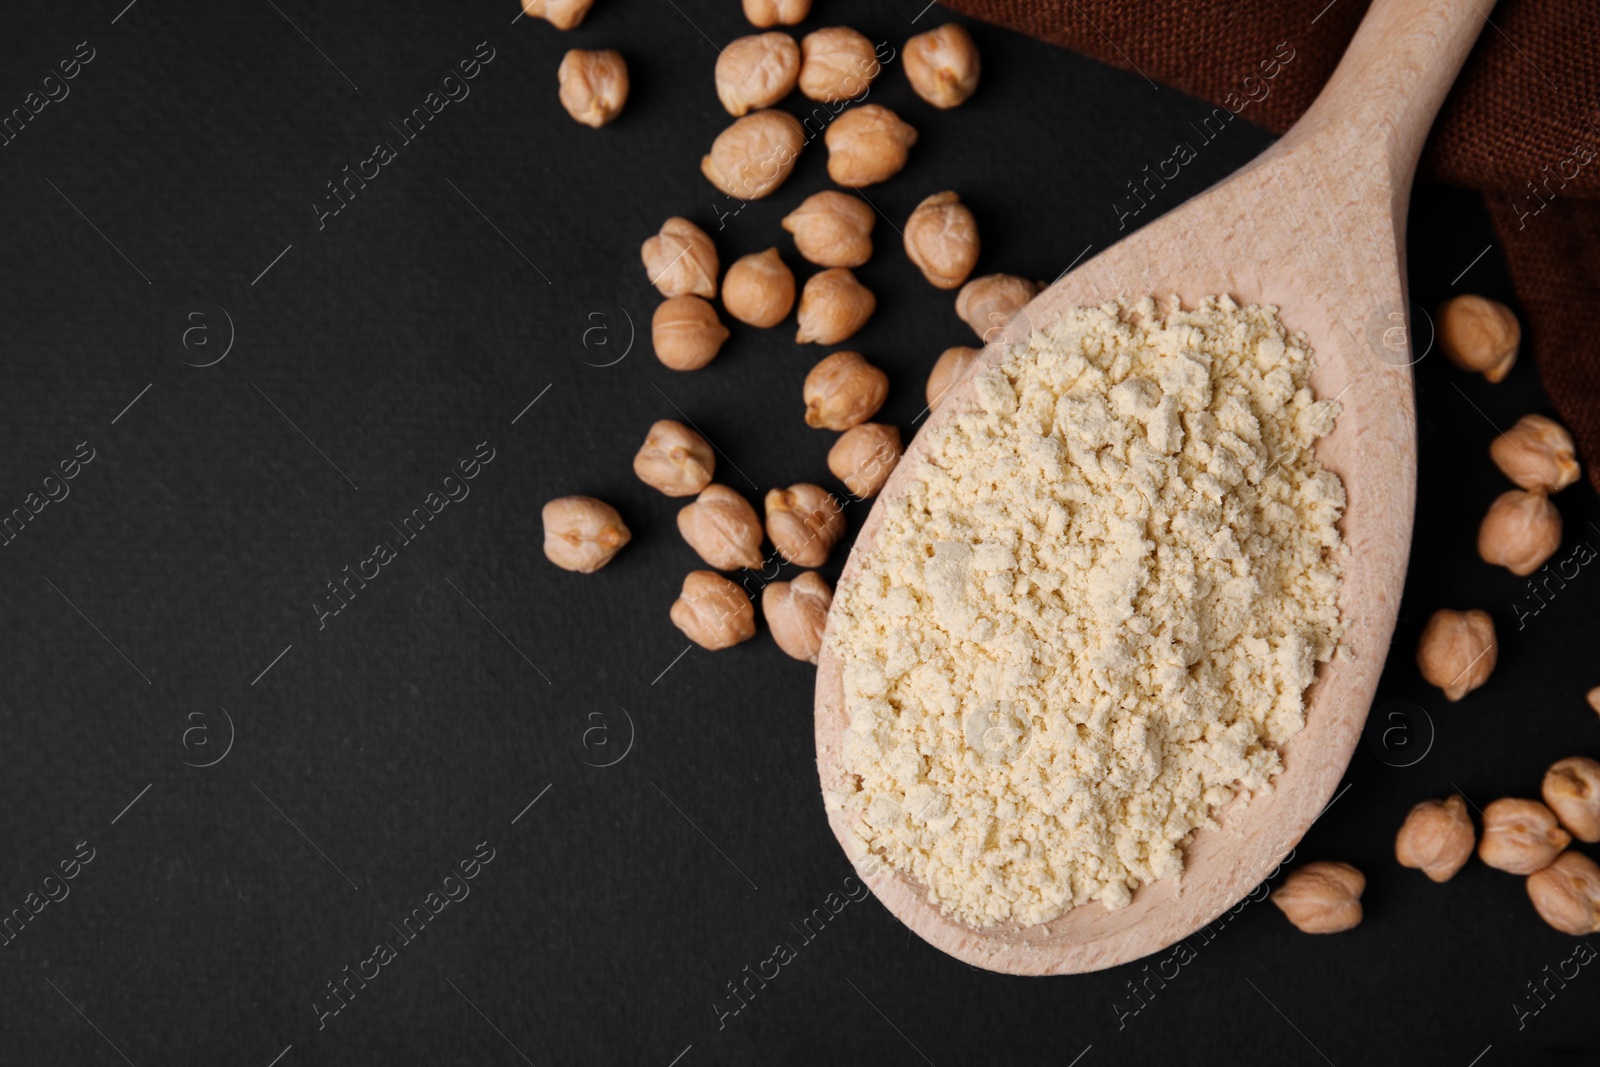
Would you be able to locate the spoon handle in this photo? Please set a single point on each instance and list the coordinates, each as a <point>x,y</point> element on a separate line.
<point>1386,91</point>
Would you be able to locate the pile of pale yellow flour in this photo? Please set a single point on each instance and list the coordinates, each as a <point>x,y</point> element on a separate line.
<point>1095,614</point>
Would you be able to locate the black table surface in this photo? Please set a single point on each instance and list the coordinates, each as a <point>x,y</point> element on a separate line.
<point>253,792</point>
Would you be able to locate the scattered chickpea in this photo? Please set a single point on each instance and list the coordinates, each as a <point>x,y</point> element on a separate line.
<point>681,259</point>
<point>759,289</point>
<point>844,390</point>
<point>1520,531</point>
<point>755,155</point>
<point>1567,894</point>
<point>1572,790</point>
<point>1593,697</point>
<point>1479,334</point>
<point>594,85</point>
<point>836,63</point>
<point>1322,897</point>
<point>864,456</point>
<point>804,522</point>
<point>674,459</point>
<point>581,533</point>
<point>562,14</point>
<point>833,305</point>
<point>1520,836</point>
<point>686,332</point>
<point>867,145</point>
<point>988,303</point>
<point>952,365</point>
<point>713,612</point>
<point>757,71</point>
<point>797,613</point>
<point>1457,651</point>
<point>764,13</point>
<point>723,528</point>
<point>832,229</point>
<point>942,65</point>
<point>1437,838</point>
<point>1537,454</point>
<point>942,240</point>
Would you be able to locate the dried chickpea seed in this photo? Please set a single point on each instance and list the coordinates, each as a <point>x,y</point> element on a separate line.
<point>764,13</point>
<point>797,613</point>
<point>562,14</point>
<point>1479,334</point>
<point>844,390</point>
<point>759,289</point>
<point>681,259</point>
<point>755,155</point>
<point>1566,894</point>
<point>1572,790</point>
<point>867,145</point>
<point>1457,651</point>
<point>1437,838</point>
<point>833,306</point>
<point>836,64</point>
<point>757,71</point>
<point>1322,897</point>
<point>942,65</point>
<point>941,238</point>
<point>722,528</point>
<point>988,303</point>
<point>1520,531</point>
<point>864,456</point>
<point>674,459</point>
<point>952,364</point>
<point>581,533</point>
<point>1520,836</point>
<point>686,332</point>
<point>804,522</point>
<point>832,229</point>
<point>713,612</point>
<point>594,85</point>
<point>1537,454</point>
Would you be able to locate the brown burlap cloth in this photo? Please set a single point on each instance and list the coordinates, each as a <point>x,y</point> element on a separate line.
<point>1522,124</point>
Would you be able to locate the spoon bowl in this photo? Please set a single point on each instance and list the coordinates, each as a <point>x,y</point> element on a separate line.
<point>1314,226</point>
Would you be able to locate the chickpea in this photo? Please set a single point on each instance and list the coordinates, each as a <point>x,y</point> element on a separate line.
<point>1437,838</point>
<point>1572,790</point>
<point>867,145</point>
<point>1322,897</point>
<point>1537,454</point>
<point>1520,531</point>
<point>1457,651</point>
<point>797,614</point>
<point>864,456</point>
<point>764,13</point>
<point>594,85</point>
<point>723,528</point>
<point>687,333</point>
<point>674,459</point>
<point>755,155</point>
<point>942,240</point>
<point>1479,334</point>
<point>713,612</point>
<point>804,522</point>
<point>833,306</point>
<point>1520,836</point>
<point>562,14</point>
<point>942,65</point>
<point>950,369</point>
<point>1567,894</point>
<point>988,303</point>
<point>836,63</point>
<point>844,390</point>
<point>681,259</point>
<point>757,71</point>
<point>581,533</point>
<point>759,289</point>
<point>832,229</point>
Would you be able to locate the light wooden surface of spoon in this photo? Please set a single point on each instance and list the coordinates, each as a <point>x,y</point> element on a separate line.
<point>1315,226</point>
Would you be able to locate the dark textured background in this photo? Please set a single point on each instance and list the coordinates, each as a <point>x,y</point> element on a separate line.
<point>382,749</point>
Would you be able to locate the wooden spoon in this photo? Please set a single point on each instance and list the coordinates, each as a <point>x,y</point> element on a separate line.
<point>1316,226</point>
